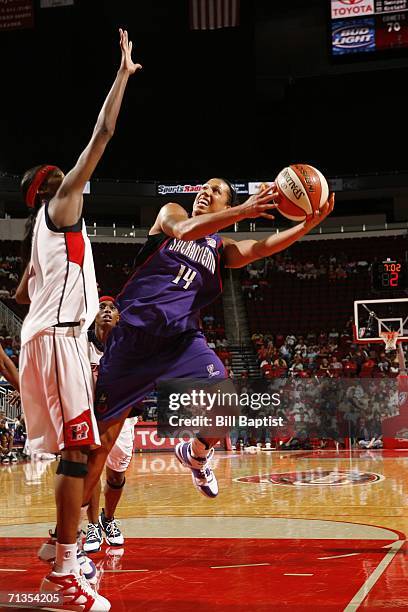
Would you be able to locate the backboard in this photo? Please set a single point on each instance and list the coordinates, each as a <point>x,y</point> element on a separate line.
<point>371,317</point>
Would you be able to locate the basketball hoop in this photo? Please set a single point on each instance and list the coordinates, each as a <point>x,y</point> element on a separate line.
<point>390,340</point>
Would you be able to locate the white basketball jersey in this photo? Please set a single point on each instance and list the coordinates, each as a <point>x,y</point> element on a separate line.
<point>61,284</point>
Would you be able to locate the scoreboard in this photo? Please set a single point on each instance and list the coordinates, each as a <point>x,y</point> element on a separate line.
<point>368,26</point>
<point>389,275</point>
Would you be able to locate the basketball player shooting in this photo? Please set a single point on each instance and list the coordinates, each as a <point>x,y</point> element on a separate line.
<point>178,272</point>
<point>55,374</point>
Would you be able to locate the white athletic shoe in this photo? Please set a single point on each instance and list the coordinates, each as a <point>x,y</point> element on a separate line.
<point>203,477</point>
<point>113,535</point>
<point>94,538</point>
<point>76,592</point>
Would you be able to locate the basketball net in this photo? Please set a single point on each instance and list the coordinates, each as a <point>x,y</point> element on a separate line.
<point>390,340</point>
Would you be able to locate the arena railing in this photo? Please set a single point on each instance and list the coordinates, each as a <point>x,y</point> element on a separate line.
<point>10,320</point>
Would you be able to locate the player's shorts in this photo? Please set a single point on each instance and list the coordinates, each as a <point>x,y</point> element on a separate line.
<point>57,391</point>
<point>122,451</point>
<point>133,362</point>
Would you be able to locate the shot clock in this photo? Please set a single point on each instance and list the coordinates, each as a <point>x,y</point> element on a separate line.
<point>389,275</point>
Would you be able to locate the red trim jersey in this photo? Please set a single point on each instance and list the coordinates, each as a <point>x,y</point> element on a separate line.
<point>62,284</point>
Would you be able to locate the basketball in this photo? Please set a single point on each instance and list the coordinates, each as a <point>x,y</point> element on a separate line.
<point>302,190</point>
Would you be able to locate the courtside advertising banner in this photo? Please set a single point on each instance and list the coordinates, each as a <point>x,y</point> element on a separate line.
<point>147,439</point>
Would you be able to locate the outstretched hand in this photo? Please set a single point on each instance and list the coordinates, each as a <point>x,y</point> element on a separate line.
<point>126,45</point>
<point>258,204</point>
<point>320,214</point>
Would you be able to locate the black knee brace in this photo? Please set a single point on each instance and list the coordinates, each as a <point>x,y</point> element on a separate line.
<point>113,485</point>
<point>72,468</point>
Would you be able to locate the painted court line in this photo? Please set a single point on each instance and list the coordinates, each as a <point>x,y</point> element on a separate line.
<point>246,565</point>
<point>338,556</point>
<point>372,579</point>
<point>124,571</point>
<point>298,574</point>
<point>12,570</point>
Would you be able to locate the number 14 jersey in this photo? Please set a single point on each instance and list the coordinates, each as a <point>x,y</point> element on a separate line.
<point>173,280</point>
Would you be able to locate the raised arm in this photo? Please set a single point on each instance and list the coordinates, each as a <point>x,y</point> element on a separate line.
<point>240,253</point>
<point>174,221</point>
<point>65,208</point>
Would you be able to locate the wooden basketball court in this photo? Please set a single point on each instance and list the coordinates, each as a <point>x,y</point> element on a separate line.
<point>303,530</point>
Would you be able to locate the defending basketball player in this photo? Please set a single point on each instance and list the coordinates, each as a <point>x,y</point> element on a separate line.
<point>55,374</point>
<point>104,524</point>
<point>178,272</point>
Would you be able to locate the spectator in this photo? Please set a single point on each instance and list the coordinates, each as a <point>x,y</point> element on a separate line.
<point>208,319</point>
<point>301,347</point>
<point>6,443</point>
<point>297,365</point>
<point>383,363</point>
<point>280,363</point>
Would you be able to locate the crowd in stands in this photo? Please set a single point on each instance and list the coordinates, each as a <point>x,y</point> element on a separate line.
<point>319,413</point>
<point>322,354</point>
<point>11,345</point>
<point>13,437</point>
<point>259,275</point>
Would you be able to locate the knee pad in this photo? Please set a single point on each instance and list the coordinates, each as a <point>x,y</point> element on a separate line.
<point>113,485</point>
<point>72,468</point>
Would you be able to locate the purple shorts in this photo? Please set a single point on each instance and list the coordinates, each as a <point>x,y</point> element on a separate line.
<point>133,362</point>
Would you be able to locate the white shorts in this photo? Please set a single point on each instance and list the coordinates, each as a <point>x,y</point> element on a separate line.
<point>57,391</point>
<point>122,451</point>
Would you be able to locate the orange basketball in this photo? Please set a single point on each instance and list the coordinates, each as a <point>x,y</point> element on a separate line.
<point>302,190</point>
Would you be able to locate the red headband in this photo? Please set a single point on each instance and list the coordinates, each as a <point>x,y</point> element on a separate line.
<point>36,184</point>
<point>106,298</point>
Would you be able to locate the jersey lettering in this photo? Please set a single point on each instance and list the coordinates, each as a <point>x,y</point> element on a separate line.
<point>188,276</point>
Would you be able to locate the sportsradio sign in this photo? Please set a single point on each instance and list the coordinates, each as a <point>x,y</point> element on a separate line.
<point>188,189</point>
<point>351,8</point>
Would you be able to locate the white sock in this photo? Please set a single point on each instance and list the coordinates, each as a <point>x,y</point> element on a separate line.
<point>198,449</point>
<point>66,561</point>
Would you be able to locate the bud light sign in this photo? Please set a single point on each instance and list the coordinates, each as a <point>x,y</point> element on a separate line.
<point>353,36</point>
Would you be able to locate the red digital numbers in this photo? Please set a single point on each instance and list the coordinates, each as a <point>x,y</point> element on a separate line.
<point>392,267</point>
<point>394,279</point>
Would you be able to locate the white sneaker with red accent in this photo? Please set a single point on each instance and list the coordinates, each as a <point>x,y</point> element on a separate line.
<point>48,551</point>
<point>76,593</point>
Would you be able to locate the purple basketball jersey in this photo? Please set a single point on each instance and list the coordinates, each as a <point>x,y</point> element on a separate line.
<point>174,279</point>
